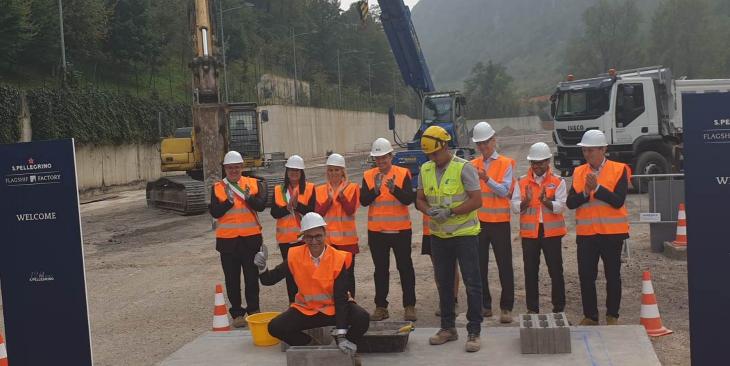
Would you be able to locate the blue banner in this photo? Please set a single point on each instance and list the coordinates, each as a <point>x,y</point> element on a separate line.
<point>706,121</point>
<point>41,256</point>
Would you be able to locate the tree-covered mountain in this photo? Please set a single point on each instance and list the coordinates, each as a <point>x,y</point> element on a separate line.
<point>532,38</point>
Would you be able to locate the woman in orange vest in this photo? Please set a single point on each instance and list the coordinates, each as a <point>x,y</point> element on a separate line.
<point>323,275</point>
<point>598,196</point>
<point>387,190</point>
<point>539,198</point>
<point>292,200</point>
<point>337,202</point>
<point>496,174</point>
<point>234,202</point>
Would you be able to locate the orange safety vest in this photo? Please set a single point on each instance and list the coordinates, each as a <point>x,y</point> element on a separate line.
<point>553,224</point>
<point>341,228</point>
<point>595,216</point>
<point>386,213</point>
<point>287,227</point>
<point>426,228</point>
<point>316,284</point>
<point>240,220</point>
<point>495,208</point>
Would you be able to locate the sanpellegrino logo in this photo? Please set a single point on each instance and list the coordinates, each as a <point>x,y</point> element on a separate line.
<point>32,172</point>
<point>31,166</point>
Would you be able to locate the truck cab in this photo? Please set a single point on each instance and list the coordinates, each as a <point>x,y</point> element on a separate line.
<point>634,110</point>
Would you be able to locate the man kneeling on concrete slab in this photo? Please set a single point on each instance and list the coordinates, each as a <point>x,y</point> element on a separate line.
<point>323,276</point>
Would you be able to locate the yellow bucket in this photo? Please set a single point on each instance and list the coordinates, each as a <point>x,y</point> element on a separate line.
<point>259,325</point>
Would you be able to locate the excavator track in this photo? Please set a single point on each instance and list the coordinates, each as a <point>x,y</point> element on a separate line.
<point>179,193</point>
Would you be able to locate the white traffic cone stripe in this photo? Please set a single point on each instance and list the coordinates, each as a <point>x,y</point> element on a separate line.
<point>220,321</point>
<point>219,299</point>
<point>3,352</point>
<point>647,288</point>
<point>681,215</point>
<point>681,230</point>
<point>649,311</point>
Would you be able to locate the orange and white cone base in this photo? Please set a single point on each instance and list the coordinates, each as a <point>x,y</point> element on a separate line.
<point>3,352</point>
<point>650,318</point>
<point>220,314</point>
<point>681,238</point>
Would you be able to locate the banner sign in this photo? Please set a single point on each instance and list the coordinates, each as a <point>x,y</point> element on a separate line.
<point>41,256</point>
<point>706,121</point>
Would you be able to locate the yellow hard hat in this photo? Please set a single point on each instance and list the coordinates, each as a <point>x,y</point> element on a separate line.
<point>434,138</point>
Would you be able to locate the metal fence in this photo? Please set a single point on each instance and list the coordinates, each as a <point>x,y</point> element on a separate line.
<point>655,204</point>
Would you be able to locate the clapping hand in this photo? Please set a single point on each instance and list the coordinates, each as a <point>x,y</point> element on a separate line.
<point>591,183</point>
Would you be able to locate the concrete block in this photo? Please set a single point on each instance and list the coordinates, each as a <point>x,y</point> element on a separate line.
<point>561,333</point>
<point>545,339</point>
<point>322,335</point>
<point>544,333</point>
<point>528,334</point>
<point>675,252</point>
<point>317,356</point>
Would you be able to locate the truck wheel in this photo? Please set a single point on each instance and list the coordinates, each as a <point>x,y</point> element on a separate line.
<point>649,162</point>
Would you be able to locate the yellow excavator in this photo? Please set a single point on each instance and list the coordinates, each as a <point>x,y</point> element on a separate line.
<point>217,128</point>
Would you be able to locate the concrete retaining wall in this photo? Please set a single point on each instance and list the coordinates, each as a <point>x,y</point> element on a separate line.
<point>105,166</point>
<point>311,132</point>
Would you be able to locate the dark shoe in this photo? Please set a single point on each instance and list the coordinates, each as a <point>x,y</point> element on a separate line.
<point>473,343</point>
<point>610,320</point>
<point>379,314</point>
<point>487,313</point>
<point>443,336</point>
<point>588,321</point>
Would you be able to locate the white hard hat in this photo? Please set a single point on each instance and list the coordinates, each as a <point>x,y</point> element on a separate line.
<point>539,151</point>
<point>336,160</point>
<point>311,221</point>
<point>482,132</point>
<point>232,157</point>
<point>295,162</point>
<point>593,138</point>
<point>381,147</point>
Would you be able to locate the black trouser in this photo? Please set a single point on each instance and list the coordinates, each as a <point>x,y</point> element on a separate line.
<point>551,248</point>
<point>288,326</point>
<point>291,285</point>
<point>608,249</point>
<point>238,254</point>
<point>445,254</point>
<point>498,235</point>
<point>380,245</point>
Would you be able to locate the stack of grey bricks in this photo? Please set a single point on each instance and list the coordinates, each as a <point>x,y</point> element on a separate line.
<point>544,333</point>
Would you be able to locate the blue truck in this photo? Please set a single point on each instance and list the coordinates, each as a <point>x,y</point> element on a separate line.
<point>446,109</point>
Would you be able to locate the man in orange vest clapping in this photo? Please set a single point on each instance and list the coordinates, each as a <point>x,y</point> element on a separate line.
<point>496,181</point>
<point>601,224</point>
<point>387,190</point>
<point>323,276</point>
<point>235,202</point>
<point>539,198</point>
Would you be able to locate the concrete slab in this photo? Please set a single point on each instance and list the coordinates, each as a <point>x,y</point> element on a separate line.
<point>625,345</point>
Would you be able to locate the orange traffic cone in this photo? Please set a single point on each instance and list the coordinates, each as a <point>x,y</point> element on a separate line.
<point>3,352</point>
<point>650,318</point>
<point>220,314</point>
<point>681,239</point>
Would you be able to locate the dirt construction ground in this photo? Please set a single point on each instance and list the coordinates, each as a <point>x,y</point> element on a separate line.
<point>151,276</point>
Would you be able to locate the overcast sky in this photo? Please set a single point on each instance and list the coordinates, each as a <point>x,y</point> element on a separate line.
<point>345,4</point>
